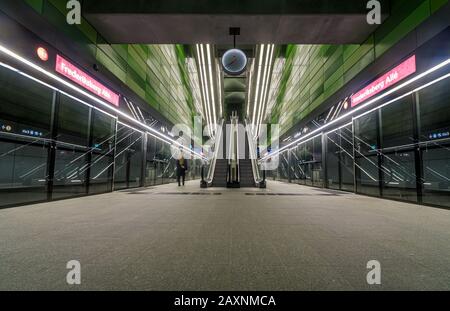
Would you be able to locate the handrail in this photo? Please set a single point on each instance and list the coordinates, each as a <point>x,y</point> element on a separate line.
<point>253,154</point>
<point>233,160</point>
<point>212,167</point>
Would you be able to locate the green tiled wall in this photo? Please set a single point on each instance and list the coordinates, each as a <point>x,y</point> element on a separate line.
<point>156,73</point>
<point>313,73</point>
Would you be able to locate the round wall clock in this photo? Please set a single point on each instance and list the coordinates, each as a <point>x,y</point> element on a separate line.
<point>234,62</point>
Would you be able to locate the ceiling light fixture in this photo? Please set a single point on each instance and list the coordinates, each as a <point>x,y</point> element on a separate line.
<point>249,95</point>
<point>266,90</point>
<point>255,103</point>
<point>263,89</point>
<point>219,82</point>
<point>204,87</point>
<point>211,82</point>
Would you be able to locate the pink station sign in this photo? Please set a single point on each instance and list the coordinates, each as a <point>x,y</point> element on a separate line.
<point>81,78</point>
<point>394,76</point>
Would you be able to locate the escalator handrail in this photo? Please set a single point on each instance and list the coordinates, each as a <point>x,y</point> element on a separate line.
<point>253,154</point>
<point>234,148</point>
<point>212,168</point>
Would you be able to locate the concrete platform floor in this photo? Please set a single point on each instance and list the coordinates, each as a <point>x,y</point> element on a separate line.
<point>162,239</point>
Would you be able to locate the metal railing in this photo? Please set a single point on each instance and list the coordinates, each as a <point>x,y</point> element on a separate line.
<point>233,155</point>
<point>217,148</point>
<point>253,154</point>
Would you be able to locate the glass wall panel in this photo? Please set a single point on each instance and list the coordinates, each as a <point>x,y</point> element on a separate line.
<point>25,110</point>
<point>367,179</point>
<point>128,161</point>
<point>397,123</point>
<point>292,165</point>
<point>366,134</point>
<point>71,154</point>
<point>317,164</point>
<point>23,172</point>
<point>435,111</point>
<point>284,167</point>
<point>347,160</point>
<point>159,159</point>
<point>399,176</point>
<point>366,139</point>
<point>333,160</point>
<point>295,165</point>
<point>102,152</point>
<point>308,162</point>
<point>25,105</point>
<point>135,160</point>
<point>70,173</point>
<point>399,172</point>
<point>434,104</point>
<point>150,169</point>
<point>301,165</point>
<point>436,168</point>
<point>73,122</point>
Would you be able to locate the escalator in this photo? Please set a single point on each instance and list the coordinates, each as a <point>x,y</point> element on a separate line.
<point>220,173</point>
<point>247,178</point>
<point>236,170</point>
<point>246,172</point>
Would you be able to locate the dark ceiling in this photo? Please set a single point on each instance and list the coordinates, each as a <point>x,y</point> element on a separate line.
<point>208,21</point>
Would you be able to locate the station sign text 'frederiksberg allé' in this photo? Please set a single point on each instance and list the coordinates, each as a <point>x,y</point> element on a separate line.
<point>394,76</point>
<point>81,78</point>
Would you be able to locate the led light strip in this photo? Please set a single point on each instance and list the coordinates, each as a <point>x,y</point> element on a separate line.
<point>267,89</point>
<point>263,89</point>
<point>362,106</point>
<point>205,85</point>
<point>84,93</point>
<point>261,52</point>
<point>219,82</point>
<point>250,88</point>
<point>202,65</point>
<point>211,82</point>
<point>206,66</point>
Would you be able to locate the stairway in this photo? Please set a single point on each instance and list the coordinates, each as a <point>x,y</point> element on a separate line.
<point>220,173</point>
<point>246,172</point>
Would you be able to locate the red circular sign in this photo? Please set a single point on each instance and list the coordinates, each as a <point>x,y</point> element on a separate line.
<point>42,54</point>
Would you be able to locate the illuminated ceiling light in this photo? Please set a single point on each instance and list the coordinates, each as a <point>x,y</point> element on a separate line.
<point>263,89</point>
<point>194,80</point>
<point>370,102</point>
<point>207,91</point>
<point>211,82</point>
<point>151,130</point>
<point>266,90</point>
<point>219,79</point>
<point>204,88</point>
<point>250,88</point>
<point>42,54</point>
<point>261,52</point>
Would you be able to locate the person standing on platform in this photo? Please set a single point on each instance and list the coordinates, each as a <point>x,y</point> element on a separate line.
<point>182,168</point>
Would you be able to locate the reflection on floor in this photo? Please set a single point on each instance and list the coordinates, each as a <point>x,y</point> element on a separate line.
<point>286,237</point>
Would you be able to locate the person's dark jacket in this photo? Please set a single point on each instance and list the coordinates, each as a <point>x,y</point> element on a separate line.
<point>182,170</point>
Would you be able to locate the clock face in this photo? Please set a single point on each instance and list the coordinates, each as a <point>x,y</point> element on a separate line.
<point>234,62</point>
